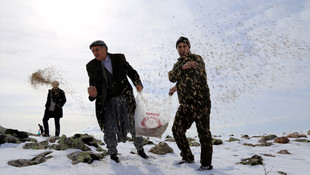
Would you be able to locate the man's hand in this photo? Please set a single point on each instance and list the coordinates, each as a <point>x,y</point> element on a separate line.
<point>92,91</point>
<point>190,64</point>
<point>172,90</point>
<point>139,88</point>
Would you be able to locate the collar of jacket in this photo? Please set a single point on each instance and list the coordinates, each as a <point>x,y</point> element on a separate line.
<point>188,56</point>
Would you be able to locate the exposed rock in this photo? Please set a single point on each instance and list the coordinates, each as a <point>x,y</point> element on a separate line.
<point>282,173</point>
<point>129,139</point>
<point>2,130</point>
<point>268,155</point>
<point>281,140</point>
<point>9,139</point>
<point>296,135</point>
<point>34,161</point>
<point>302,140</point>
<point>66,143</point>
<point>19,134</point>
<point>41,145</point>
<point>194,144</point>
<point>169,139</point>
<point>161,149</point>
<point>147,141</point>
<point>189,139</point>
<point>14,136</point>
<point>267,138</point>
<point>264,144</point>
<point>249,144</point>
<point>86,157</point>
<point>2,138</point>
<point>309,132</point>
<point>256,136</point>
<point>217,142</point>
<point>53,139</point>
<point>254,160</point>
<point>231,139</point>
<point>89,140</point>
<point>284,152</point>
<point>245,137</point>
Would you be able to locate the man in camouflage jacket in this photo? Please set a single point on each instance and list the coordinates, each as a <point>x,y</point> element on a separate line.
<point>190,76</point>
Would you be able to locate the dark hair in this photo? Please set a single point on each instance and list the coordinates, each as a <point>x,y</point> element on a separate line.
<point>98,43</point>
<point>183,39</point>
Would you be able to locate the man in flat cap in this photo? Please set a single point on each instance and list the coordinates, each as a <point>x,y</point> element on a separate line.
<point>115,102</point>
<point>189,73</point>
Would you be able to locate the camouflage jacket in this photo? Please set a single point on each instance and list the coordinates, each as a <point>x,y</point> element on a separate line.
<point>192,86</point>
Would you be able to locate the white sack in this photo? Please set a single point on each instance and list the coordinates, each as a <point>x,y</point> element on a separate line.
<point>152,115</point>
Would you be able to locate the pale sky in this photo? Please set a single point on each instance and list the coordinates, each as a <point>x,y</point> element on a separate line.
<point>257,56</point>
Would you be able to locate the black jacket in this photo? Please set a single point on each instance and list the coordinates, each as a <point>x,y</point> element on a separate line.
<point>98,78</point>
<point>59,98</point>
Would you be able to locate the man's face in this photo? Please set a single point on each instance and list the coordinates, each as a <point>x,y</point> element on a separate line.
<point>100,52</point>
<point>55,84</point>
<point>183,49</point>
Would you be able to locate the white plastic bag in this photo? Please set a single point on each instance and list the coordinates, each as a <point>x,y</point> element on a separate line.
<point>152,115</point>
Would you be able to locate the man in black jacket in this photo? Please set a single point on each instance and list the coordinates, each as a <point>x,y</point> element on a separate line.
<point>115,102</point>
<point>56,99</point>
<point>189,73</point>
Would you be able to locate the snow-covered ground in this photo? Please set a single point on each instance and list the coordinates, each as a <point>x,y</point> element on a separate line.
<point>225,159</point>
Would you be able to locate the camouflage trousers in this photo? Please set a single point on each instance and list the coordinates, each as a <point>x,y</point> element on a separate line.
<point>185,116</point>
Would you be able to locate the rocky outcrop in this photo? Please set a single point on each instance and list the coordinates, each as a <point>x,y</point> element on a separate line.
<point>161,149</point>
<point>2,130</point>
<point>70,143</point>
<point>40,145</point>
<point>302,140</point>
<point>34,161</point>
<point>254,160</point>
<point>296,135</point>
<point>245,136</point>
<point>191,141</point>
<point>89,140</point>
<point>284,152</point>
<point>85,157</point>
<point>147,141</point>
<point>14,136</point>
<point>282,140</point>
<point>264,139</point>
<point>217,141</point>
<point>169,139</point>
<point>282,173</point>
<point>231,139</point>
<point>19,134</point>
<point>261,144</point>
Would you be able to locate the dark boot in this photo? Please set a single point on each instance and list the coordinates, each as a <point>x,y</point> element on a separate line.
<point>142,154</point>
<point>114,157</point>
<point>186,161</point>
<point>204,168</point>
<point>46,135</point>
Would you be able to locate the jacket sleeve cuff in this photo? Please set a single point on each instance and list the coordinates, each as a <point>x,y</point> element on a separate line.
<point>91,98</point>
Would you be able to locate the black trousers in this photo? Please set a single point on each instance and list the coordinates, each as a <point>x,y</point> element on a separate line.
<point>51,114</point>
<point>185,116</point>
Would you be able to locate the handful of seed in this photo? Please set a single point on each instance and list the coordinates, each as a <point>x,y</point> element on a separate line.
<point>43,77</point>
